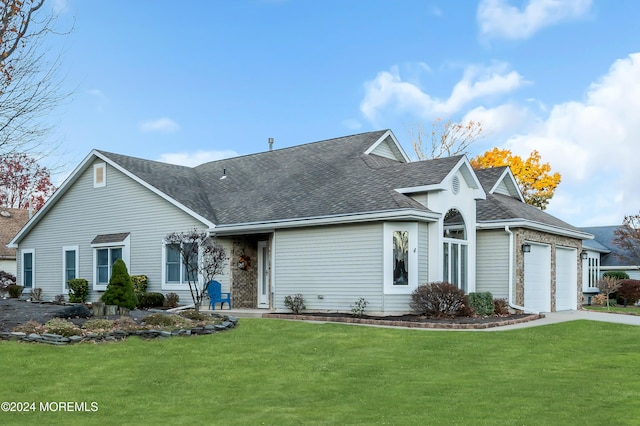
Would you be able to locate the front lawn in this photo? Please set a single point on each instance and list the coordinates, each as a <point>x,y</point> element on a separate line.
<point>629,310</point>
<point>277,372</point>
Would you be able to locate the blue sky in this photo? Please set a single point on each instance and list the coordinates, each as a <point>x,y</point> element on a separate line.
<point>194,81</point>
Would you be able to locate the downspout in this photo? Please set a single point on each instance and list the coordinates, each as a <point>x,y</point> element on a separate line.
<point>511,304</point>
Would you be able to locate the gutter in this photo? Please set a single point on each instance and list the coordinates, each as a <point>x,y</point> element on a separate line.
<point>511,304</point>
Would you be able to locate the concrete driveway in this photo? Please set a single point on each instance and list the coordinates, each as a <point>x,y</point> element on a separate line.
<point>562,316</point>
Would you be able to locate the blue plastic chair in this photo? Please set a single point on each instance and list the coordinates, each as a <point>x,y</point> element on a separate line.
<point>214,289</point>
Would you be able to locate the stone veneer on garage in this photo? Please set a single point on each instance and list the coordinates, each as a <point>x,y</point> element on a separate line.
<point>522,235</point>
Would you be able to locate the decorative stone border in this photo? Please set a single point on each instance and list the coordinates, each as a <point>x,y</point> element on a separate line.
<point>56,339</point>
<point>408,324</point>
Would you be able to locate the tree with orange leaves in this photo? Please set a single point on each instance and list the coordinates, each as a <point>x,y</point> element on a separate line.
<point>535,180</point>
<point>446,139</point>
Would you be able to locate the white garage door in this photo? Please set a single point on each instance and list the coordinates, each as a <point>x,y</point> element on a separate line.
<point>566,279</point>
<point>537,278</point>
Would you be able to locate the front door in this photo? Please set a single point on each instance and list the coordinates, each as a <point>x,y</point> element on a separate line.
<point>263,274</point>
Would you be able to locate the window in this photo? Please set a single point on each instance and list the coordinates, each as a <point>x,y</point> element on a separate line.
<point>400,257</point>
<point>99,175</point>
<point>69,265</point>
<point>455,247</point>
<point>592,273</point>
<point>175,274</point>
<point>106,250</point>
<point>28,268</point>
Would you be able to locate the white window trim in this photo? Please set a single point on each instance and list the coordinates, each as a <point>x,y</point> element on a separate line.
<point>102,166</point>
<point>182,285</point>
<point>459,243</point>
<point>65,249</point>
<point>33,268</point>
<point>387,246</point>
<point>124,245</point>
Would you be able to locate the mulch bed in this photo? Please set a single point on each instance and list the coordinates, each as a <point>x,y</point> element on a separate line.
<point>14,312</point>
<point>412,321</point>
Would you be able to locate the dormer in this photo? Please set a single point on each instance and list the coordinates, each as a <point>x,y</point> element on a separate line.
<point>388,147</point>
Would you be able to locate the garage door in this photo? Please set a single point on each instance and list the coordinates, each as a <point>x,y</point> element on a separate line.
<point>537,278</point>
<point>566,278</point>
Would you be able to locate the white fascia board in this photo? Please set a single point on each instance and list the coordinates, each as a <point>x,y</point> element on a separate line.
<point>389,133</point>
<point>521,223</point>
<point>256,227</point>
<point>422,188</point>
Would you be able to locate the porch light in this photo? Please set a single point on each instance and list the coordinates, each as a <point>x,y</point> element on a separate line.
<point>584,255</point>
<point>526,248</point>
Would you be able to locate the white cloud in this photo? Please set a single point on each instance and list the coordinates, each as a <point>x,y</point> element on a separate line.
<point>499,19</point>
<point>499,121</point>
<point>594,145</point>
<point>388,92</point>
<point>196,158</point>
<point>163,125</point>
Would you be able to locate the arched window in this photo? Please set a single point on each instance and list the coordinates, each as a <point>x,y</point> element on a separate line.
<point>455,249</point>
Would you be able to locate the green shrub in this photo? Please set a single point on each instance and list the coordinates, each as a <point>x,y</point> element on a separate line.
<point>629,290</point>
<point>501,307</point>
<point>78,290</point>
<point>295,303</point>
<point>482,303</point>
<point>439,299</point>
<point>120,289</point>
<point>171,300</point>
<point>62,327</point>
<point>140,284</point>
<point>357,309</point>
<point>620,275</point>
<point>15,290</point>
<point>150,300</point>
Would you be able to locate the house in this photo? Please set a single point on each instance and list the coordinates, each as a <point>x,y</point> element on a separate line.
<point>334,220</point>
<point>11,220</point>
<point>604,256</point>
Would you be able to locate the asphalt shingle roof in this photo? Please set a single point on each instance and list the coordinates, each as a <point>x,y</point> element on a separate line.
<point>605,236</point>
<point>498,207</point>
<point>331,177</point>
<point>11,221</point>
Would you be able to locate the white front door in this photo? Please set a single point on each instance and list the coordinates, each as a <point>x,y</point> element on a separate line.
<point>263,274</point>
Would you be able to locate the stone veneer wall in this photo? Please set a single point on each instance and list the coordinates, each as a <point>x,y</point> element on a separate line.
<point>244,284</point>
<point>522,235</point>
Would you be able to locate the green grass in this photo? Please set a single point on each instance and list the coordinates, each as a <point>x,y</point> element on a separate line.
<point>629,310</point>
<point>290,373</point>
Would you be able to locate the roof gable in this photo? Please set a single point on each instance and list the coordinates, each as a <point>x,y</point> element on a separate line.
<point>387,146</point>
<point>500,180</point>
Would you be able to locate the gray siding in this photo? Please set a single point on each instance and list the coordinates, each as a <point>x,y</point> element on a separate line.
<point>337,263</point>
<point>83,212</point>
<point>384,149</point>
<point>492,263</point>
<point>333,266</point>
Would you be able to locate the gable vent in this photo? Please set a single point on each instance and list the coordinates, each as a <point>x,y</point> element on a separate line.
<point>455,185</point>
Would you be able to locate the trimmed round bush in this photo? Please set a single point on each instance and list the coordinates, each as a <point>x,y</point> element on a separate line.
<point>501,307</point>
<point>150,300</point>
<point>439,299</point>
<point>482,303</point>
<point>79,290</point>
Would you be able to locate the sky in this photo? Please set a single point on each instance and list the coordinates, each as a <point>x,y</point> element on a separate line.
<point>195,81</point>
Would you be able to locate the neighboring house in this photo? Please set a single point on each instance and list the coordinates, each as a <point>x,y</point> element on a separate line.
<point>11,220</point>
<point>334,220</point>
<point>604,256</point>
